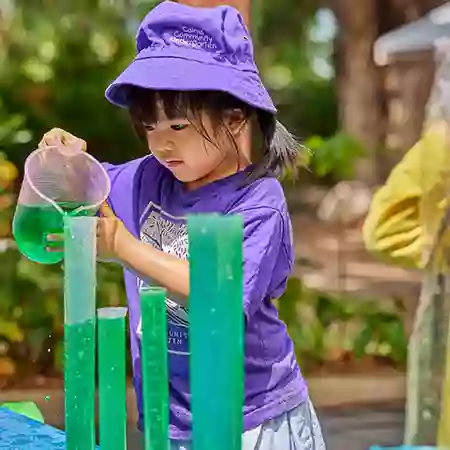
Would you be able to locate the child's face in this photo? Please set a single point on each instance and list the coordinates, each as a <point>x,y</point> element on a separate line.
<point>180,147</point>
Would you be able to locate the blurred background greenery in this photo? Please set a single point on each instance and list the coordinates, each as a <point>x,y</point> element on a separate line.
<point>57,58</point>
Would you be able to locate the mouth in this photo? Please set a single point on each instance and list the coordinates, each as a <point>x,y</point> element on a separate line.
<point>173,163</point>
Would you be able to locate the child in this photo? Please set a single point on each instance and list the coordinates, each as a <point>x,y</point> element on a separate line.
<point>192,91</point>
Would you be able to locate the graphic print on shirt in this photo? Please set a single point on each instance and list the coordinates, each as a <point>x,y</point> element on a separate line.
<point>168,234</point>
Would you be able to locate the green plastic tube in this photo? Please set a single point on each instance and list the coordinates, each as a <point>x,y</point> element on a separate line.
<point>216,331</point>
<point>154,368</point>
<point>112,378</point>
<point>79,331</point>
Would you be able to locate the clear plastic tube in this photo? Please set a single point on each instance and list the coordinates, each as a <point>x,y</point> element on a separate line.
<point>79,331</point>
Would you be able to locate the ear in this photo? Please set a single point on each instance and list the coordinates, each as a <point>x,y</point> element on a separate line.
<point>235,120</point>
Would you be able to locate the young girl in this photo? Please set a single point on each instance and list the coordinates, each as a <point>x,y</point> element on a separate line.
<point>192,91</point>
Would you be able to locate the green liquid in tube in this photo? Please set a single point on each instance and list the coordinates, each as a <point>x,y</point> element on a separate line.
<point>112,378</point>
<point>79,374</point>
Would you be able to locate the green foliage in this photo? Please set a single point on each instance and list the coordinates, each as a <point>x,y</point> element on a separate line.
<point>314,111</point>
<point>286,52</point>
<point>326,328</point>
<point>55,69</point>
<point>336,156</point>
<point>12,129</point>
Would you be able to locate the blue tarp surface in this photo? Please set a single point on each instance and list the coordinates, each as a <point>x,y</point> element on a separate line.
<point>18,432</point>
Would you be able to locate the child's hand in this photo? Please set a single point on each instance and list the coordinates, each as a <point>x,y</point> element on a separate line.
<point>112,235</point>
<point>56,136</point>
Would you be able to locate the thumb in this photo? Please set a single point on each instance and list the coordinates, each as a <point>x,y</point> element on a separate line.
<point>106,211</point>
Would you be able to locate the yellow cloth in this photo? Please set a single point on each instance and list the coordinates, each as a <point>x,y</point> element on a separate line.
<point>407,212</point>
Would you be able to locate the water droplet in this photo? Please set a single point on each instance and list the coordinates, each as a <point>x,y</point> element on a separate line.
<point>49,350</point>
<point>47,398</point>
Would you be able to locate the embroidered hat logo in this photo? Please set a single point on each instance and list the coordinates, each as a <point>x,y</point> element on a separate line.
<point>193,37</point>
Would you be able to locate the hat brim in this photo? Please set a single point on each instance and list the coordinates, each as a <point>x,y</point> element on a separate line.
<point>172,73</point>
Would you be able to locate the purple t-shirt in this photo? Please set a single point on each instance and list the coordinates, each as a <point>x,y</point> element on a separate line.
<point>153,204</point>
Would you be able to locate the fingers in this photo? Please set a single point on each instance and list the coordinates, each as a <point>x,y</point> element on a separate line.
<point>54,243</point>
<point>57,136</point>
<point>52,137</point>
<point>106,232</point>
<point>55,237</point>
<point>106,211</point>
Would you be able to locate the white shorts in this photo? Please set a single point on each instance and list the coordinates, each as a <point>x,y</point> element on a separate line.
<point>298,429</point>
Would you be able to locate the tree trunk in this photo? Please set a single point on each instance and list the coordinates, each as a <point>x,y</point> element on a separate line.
<point>358,80</point>
<point>407,83</point>
<point>371,110</point>
<point>407,90</point>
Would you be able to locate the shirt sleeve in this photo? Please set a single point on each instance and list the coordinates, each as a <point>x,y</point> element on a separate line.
<point>267,262</point>
<point>122,178</point>
<point>113,172</point>
<point>406,212</point>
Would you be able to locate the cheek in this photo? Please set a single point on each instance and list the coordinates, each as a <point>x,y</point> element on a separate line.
<point>205,158</point>
<point>152,142</point>
<point>197,150</point>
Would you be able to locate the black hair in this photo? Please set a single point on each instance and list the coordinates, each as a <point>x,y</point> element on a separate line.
<point>280,149</point>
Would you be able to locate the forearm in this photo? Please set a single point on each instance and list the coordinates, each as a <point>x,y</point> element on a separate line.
<point>152,265</point>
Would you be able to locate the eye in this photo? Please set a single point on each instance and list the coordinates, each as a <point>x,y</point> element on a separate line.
<point>149,127</point>
<point>179,127</point>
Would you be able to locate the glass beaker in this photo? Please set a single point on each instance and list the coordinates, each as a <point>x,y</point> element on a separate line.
<point>58,181</point>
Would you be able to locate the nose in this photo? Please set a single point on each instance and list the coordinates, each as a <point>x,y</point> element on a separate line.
<point>160,144</point>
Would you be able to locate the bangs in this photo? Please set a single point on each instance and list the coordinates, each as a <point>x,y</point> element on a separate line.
<point>146,105</point>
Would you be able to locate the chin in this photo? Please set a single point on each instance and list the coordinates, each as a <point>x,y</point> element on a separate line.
<point>184,178</point>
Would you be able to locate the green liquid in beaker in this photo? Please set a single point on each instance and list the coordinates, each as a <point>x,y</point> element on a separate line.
<point>32,224</point>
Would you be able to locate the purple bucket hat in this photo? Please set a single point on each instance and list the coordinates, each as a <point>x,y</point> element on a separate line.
<point>187,48</point>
